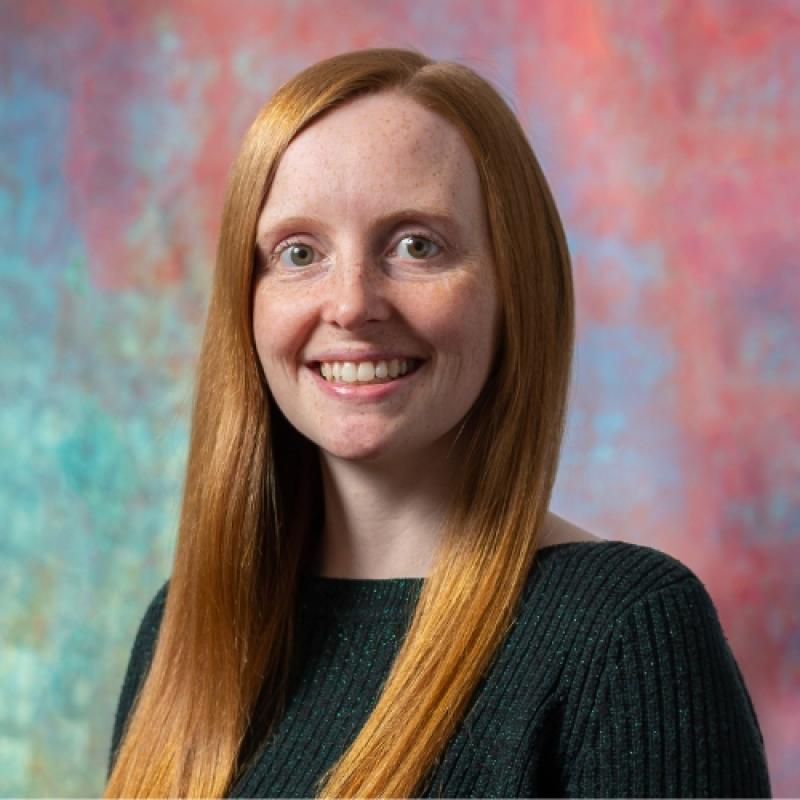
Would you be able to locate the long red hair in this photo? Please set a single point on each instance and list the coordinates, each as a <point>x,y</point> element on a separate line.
<point>253,501</point>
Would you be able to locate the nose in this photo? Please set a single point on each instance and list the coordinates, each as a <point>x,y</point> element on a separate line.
<point>355,294</point>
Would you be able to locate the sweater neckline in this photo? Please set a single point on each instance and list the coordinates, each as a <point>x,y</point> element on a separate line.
<point>378,598</point>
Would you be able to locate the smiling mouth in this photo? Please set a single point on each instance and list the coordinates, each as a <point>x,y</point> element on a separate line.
<point>349,373</point>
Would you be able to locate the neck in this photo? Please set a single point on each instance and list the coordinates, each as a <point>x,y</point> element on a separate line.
<point>383,519</point>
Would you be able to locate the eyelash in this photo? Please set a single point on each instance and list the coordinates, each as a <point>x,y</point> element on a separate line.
<point>294,241</point>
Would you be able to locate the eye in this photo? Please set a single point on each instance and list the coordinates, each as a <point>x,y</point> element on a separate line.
<point>296,254</point>
<point>417,247</point>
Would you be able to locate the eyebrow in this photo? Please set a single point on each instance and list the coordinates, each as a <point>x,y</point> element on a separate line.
<point>431,216</point>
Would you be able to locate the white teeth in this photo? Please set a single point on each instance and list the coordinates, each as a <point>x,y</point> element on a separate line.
<point>364,371</point>
<point>349,373</point>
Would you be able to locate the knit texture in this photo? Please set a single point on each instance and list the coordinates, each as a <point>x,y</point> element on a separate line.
<point>616,680</point>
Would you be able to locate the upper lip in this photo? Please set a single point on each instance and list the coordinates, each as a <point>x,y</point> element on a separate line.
<point>360,355</point>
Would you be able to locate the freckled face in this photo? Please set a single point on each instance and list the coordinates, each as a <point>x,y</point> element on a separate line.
<point>374,243</point>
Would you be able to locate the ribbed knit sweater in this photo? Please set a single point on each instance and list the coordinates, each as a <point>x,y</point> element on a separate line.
<point>615,680</point>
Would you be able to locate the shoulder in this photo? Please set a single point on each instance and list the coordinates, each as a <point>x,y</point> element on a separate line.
<point>147,634</point>
<point>139,661</point>
<point>598,589</point>
<point>616,603</point>
<point>144,642</point>
<point>619,607</point>
<point>612,573</point>
<point>642,651</point>
<point>155,610</point>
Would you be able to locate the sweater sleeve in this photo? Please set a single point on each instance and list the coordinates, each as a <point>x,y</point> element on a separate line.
<point>138,666</point>
<point>671,715</point>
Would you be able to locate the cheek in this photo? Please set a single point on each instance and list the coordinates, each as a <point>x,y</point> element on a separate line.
<point>263,323</point>
<point>278,326</point>
<point>463,317</point>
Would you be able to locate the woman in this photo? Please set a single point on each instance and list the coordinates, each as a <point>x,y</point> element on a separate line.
<point>369,595</point>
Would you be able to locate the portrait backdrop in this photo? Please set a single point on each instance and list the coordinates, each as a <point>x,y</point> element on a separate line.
<point>669,133</point>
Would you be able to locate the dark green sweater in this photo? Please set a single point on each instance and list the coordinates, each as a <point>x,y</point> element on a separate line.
<point>615,680</point>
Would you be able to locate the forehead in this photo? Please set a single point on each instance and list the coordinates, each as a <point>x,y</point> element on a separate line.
<point>373,154</point>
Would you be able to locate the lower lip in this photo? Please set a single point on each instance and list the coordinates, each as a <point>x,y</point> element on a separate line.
<point>365,392</point>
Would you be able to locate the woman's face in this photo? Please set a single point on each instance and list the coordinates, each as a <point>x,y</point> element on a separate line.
<point>376,258</point>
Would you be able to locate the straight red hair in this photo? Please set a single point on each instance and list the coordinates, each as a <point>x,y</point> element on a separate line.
<point>253,501</point>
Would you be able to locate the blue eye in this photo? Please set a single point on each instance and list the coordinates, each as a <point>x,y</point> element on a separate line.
<point>417,247</point>
<point>298,255</point>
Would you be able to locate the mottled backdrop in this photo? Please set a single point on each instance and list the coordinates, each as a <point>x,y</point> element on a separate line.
<point>669,132</point>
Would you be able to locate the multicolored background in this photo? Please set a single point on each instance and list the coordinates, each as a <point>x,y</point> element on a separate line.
<point>669,132</point>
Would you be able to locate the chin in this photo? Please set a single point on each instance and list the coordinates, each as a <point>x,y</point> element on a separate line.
<point>366,451</point>
<point>361,454</point>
